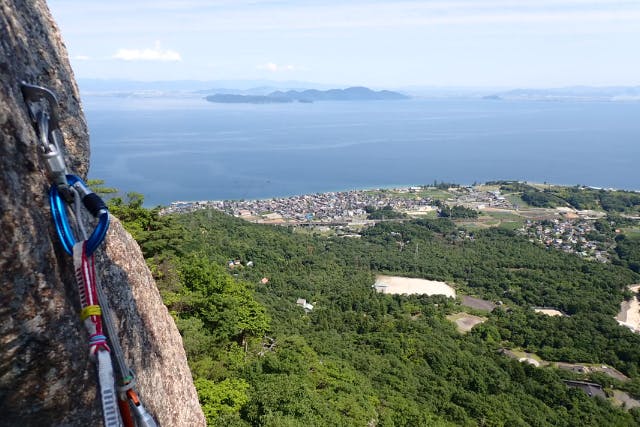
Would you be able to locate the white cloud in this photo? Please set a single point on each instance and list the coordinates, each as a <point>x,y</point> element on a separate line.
<point>155,54</point>
<point>274,68</point>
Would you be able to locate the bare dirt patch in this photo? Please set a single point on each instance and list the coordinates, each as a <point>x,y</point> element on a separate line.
<point>411,286</point>
<point>587,368</point>
<point>423,211</point>
<point>523,356</point>
<point>549,312</point>
<point>530,361</point>
<point>477,303</point>
<point>465,322</point>
<point>578,368</point>
<point>623,399</point>
<point>629,314</point>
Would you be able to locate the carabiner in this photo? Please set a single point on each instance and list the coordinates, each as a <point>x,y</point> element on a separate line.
<point>33,95</point>
<point>92,202</point>
<point>42,104</point>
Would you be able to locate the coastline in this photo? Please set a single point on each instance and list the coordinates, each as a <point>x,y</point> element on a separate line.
<point>389,187</point>
<point>227,152</point>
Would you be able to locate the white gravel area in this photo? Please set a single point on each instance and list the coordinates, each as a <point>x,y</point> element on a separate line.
<point>409,286</point>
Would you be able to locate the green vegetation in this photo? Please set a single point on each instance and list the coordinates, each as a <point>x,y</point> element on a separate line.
<point>385,212</point>
<point>97,185</point>
<point>442,185</point>
<point>541,199</point>
<point>455,212</point>
<point>156,235</point>
<point>577,197</point>
<point>504,216</point>
<point>628,249</point>
<point>364,358</point>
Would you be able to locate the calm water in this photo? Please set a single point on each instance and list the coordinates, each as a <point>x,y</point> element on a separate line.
<point>189,149</point>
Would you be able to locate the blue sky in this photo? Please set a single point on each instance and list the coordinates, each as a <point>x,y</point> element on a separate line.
<point>494,43</point>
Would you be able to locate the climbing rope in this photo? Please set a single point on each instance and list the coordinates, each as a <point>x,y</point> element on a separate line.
<point>70,190</point>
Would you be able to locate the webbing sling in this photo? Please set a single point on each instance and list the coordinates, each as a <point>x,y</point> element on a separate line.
<point>91,315</point>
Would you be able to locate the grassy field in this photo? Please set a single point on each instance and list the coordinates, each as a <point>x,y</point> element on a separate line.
<point>511,225</point>
<point>508,220</point>
<point>503,216</point>
<point>487,187</point>
<point>477,224</point>
<point>519,353</point>
<point>392,194</point>
<point>428,214</point>
<point>433,193</point>
<point>631,231</point>
<point>515,199</point>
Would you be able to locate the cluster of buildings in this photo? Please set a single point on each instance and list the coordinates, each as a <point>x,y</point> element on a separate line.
<point>475,199</point>
<point>572,236</point>
<point>572,232</point>
<point>346,206</point>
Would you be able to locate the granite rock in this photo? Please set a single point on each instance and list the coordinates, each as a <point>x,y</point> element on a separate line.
<point>46,375</point>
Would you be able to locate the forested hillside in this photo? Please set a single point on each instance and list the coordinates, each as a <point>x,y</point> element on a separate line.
<point>578,197</point>
<point>363,358</point>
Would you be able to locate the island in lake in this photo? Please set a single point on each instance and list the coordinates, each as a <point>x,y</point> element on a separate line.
<point>309,95</point>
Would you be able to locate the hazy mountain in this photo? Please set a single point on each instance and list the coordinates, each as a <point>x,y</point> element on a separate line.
<point>573,93</point>
<point>310,95</point>
<point>449,92</point>
<point>349,94</point>
<point>247,99</point>
<point>310,91</point>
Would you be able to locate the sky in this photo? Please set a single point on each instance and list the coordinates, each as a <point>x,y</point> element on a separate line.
<point>378,43</point>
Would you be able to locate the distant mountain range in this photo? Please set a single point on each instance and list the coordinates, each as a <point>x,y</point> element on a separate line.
<point>309,95</point>
<point>291,91</point>
<point>573,93</point>
<point>230,98</point>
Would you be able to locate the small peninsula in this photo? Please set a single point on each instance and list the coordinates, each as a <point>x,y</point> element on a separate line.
<point>309,95</point>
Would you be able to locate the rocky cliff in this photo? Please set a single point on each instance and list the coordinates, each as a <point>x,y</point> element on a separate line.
<point>46,376</point>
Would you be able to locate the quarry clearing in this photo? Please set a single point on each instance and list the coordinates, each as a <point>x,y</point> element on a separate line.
<point>477,303</point>
<point>629,314</point>
<point>549,311</point>
<point>465,321</point>
<point>623,399</point>
<point>411,286</point>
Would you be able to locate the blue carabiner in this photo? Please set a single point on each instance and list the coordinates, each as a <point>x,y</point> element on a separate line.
<point>92,202</point>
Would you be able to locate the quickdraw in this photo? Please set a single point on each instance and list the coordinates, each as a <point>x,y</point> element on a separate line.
<point>68,189</point>
<point>92,202</point>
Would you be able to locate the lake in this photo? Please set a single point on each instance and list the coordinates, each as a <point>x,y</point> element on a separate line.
<point>188,149</point>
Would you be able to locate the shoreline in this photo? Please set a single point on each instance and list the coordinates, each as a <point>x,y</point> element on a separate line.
<point>389,187</point>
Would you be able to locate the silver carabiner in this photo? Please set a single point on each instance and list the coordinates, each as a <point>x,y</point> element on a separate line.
<point>42,104</point>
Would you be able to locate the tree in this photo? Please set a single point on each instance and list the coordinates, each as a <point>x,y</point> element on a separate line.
<point>225,397</point>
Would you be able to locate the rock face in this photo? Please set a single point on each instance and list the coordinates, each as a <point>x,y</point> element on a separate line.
<point>151,342</point>
<point>46,376</point>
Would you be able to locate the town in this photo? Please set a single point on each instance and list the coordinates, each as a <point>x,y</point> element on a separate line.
<point>346,212</point>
